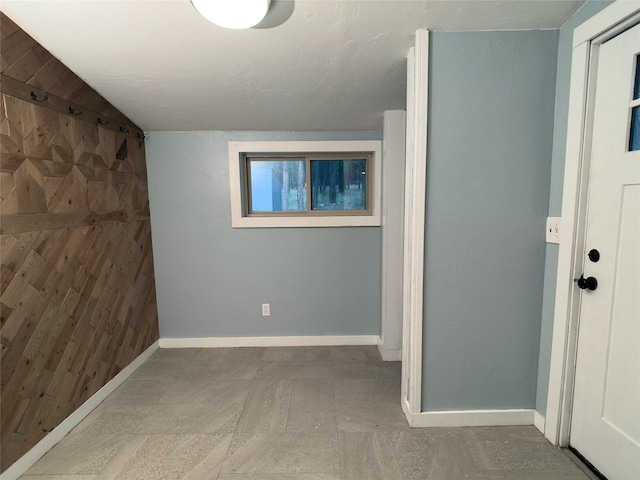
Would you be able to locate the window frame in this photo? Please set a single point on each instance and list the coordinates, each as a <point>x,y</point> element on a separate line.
<point>307,158</point>
<point>238,186</point>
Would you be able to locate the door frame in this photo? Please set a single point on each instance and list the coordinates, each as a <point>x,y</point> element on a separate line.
<point>587,39</point>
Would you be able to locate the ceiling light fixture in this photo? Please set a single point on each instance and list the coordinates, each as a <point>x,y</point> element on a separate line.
<point>234,14</point>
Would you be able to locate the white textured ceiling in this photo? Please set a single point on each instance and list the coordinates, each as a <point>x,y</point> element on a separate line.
<point>333,65</point>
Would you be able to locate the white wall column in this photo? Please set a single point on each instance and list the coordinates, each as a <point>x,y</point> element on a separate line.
<point>393,163</point>
<point>414,222</point>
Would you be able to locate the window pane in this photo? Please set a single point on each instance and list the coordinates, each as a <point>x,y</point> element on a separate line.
<point>338,184</point>
<point>636,88</point>
<point>278,185</point>
<point>634,136</point>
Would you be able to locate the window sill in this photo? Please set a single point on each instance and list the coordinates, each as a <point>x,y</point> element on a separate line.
<point>305,222</point>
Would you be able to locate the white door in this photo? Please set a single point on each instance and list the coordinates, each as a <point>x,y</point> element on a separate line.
<point>605,423</point>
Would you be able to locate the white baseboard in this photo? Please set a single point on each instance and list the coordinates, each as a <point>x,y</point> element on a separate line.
<point>471,418</point>
<point>539,421</point>
<point>391,355</point>
<point>305,341</point>
<point>47,443</point>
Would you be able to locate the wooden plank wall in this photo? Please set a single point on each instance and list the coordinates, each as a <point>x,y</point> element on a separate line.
<point>77,301</point>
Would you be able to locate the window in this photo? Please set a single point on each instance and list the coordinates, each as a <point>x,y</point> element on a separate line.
<point>304,184</point>
<point>307,184</point>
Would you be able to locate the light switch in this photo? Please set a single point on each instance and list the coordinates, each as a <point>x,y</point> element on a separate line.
<point>553,229</point>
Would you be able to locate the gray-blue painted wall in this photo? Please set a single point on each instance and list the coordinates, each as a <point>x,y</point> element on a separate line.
<point>491,109</point>
<point>555,195</point>
<point>212,279</point>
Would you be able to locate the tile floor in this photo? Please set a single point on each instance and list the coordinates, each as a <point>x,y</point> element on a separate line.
<point>291,413</point>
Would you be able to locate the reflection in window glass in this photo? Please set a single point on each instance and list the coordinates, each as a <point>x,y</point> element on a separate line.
<point>278,185</point>
<point>634,135</point>
<point>338,184</point>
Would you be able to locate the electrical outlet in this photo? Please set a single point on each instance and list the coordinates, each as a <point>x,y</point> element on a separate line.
<point>266,310</point>
<point>553,229</point>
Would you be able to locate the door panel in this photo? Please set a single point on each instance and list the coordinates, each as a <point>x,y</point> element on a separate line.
<point>605,425</point>
<point>622,395</point>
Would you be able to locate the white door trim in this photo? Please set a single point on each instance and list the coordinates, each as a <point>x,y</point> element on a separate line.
<point>587,40</point>
<point>415,194</point>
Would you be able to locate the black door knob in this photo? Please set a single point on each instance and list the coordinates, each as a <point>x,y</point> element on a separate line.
<point>594,255</point>
<point>589,283</point>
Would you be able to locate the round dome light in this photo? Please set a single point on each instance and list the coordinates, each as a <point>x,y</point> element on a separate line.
<point>234,14</point>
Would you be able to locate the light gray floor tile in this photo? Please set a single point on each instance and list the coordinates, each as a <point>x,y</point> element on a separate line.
<point>348,354</point>
<point>525,475</point>
<point>170,457</point>
<point>140,391</point>
<point>351,370</point>
<point>513,448</point>
<point>386,369</point>
<point>583,468</point>
<point>297,354</point>
<point>181,356</point>
<point>293,370</point>
<point>276,476</point>
<point>283,453</point>
<point>216,356</point>
<point>351,418</point>
<point>114,418</point>
<point>199,372</point>
<point>368,456</point>
<point>292,413</point>
<point>365,370</point>
<point>430,454</point>
<point>267,407</point>
<point>369,405</point>
<point>374,390</point>
<point>59,477</point>
<point>372,353</point>
<point>80,454</point>
<point>186,391</point>
<point>312,406</point>
<point>161,370</point>
<point>238,371</point>
<point>216,417</point>
<point>229,364</point>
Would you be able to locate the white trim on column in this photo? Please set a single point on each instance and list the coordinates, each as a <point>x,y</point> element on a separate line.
<point>47,443</point>
<point>303,341</point>
<point>539,421</point>
<point>587,39</point>
<point>473,418</point>
<point>406,277</point>
<point>392,220</point>
<point>415,194</point>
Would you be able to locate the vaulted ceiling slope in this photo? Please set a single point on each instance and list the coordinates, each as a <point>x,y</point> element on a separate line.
<point>332,65</point>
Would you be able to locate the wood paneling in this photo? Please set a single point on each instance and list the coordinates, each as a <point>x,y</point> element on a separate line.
<point>77,289</point>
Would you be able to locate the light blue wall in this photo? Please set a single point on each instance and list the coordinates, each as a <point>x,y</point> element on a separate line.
<point>212,279</point>
<point>491,97</point>
<point>555,195</point>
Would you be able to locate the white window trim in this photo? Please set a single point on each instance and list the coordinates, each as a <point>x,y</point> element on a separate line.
<point>238,149</point>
